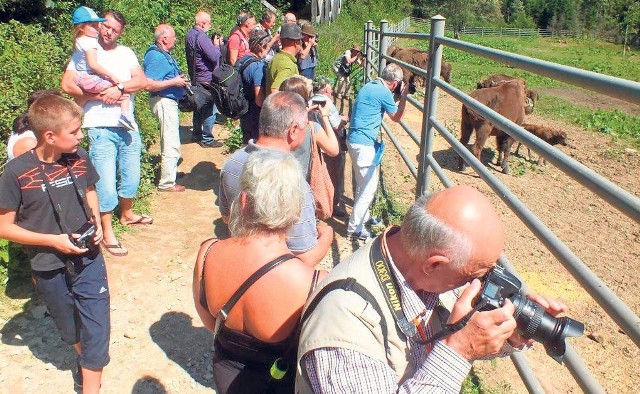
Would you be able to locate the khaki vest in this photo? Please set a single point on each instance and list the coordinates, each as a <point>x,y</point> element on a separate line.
<point>343,319</point>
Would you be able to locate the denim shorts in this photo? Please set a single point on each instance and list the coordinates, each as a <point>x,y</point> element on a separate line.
<point>78,300</point>
<point>115,153</point>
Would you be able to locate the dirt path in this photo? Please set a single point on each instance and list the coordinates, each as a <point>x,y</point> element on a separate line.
<point>158,343</point>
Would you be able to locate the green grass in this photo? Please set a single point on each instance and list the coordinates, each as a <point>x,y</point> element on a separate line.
<point>590,55</point>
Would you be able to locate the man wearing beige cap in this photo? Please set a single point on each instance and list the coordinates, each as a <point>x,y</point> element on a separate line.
<point>343,70</point>
<point>308,56</point>
<point>283,65</point>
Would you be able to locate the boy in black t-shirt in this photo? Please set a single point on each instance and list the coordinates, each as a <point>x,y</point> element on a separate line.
<point>47,198</point>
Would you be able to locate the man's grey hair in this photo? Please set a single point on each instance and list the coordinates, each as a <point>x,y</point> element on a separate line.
<point>161,30</point>
<point>273,185</point>
<point>392,72</point>
<point>423,233</point>
<point>279,111</point>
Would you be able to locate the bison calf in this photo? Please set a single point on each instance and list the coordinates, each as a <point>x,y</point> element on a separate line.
<point>507,99</point>
<point>547,134</point>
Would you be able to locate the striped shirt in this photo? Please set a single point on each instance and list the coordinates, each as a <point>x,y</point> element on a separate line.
<point>302,236</point>
<point>439,368</point>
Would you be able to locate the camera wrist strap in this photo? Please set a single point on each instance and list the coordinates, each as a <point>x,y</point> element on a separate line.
<point>389,286</point>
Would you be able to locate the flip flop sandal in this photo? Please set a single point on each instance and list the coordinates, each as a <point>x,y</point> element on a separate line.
<point>142,220</point>
<point>116,250</point>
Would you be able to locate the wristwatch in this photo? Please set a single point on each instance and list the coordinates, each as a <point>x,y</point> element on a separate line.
<point>120,87</point>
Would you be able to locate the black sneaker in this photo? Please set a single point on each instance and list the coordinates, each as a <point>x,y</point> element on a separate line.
<point>77,375</point>
<point>214,144</point>
<point>339,211</point>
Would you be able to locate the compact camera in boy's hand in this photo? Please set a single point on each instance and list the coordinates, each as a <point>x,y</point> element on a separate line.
<point>85,238</point>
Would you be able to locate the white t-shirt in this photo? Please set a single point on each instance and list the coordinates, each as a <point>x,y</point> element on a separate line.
<point>15,138</point>
<point>80,52</point>
<point>121,61</point>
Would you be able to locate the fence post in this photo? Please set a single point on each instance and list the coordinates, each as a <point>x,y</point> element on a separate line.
<point>430,103</point>
<point>382,46</point>
<point>368,41</point>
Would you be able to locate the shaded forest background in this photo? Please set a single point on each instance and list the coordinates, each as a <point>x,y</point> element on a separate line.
<point>590,18</point>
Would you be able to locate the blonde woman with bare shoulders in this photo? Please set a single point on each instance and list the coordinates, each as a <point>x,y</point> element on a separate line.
<point>256,331</point>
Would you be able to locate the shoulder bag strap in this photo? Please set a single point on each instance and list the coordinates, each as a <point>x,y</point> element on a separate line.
<point>226,308</point>
<point>246,64</point>
<point>203,294</point>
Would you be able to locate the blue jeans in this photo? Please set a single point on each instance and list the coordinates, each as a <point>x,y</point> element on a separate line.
<point>115,153</point>
<point>204,119</point>
<point>309,72</point>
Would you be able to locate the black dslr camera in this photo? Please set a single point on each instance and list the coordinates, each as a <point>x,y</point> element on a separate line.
<point>86,232</point>
<point>531,318</point>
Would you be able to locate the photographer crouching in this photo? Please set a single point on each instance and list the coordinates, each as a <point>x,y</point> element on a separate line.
<point>378,318</point>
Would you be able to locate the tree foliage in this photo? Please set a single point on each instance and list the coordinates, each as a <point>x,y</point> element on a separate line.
<point>586,16</point>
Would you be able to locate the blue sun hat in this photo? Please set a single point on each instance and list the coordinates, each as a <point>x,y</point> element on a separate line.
<point>84,15</point>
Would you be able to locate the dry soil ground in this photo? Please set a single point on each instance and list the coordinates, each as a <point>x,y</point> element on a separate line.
<point>159,345</point>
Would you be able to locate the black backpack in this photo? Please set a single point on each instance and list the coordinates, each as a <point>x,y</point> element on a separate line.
<point>227,90</point>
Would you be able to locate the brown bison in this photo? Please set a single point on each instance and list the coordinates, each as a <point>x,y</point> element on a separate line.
<point>498,79</point>
<point>509,100</point>
<point>420,59</point>
<point>547,134</point>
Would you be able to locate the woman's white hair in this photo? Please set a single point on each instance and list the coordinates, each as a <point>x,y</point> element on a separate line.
<point>274,191</point>
<point>423,233</point>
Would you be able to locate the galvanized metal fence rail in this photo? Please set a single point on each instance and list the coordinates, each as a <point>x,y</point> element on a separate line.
<point>617,197</point>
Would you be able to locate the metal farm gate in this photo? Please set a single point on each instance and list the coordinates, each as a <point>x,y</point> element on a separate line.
<point>376,43</point>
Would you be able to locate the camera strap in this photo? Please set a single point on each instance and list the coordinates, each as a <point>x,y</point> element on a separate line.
<point>57,208</point>
<point>389,286</point>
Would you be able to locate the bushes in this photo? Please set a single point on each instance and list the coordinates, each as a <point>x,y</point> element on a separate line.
<point>34,52</point>
<point>31,59</point>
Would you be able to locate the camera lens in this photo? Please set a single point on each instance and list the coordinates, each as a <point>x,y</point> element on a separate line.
<point>533,322</point>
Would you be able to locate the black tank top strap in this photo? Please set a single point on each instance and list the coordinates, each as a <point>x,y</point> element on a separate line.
<point>203,294</point>
<point>226,308</point>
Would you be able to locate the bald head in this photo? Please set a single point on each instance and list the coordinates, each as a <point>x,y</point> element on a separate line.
<point>289,17</point>
<point>165,36</point>
<point>203,20</point>
<point>458,224</point>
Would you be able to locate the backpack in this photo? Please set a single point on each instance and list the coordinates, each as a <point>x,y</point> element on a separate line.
<point>340,66</point>
<point>227,90</point>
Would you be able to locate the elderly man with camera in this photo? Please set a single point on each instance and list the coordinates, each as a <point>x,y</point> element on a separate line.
<point>166,85</point>
<point>374,100</point>
<point>378,319</point>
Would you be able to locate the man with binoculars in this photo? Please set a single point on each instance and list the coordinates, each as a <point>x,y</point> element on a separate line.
<point>379,318</point>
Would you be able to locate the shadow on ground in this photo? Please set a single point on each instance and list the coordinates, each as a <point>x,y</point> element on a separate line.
<point>203,176</point>
<point>148,385</point>
<point>34,328</point>
<point>184,344</point>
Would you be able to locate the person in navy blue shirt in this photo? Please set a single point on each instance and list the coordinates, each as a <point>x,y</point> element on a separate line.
<point>166,85</point>
<point>203,56</point>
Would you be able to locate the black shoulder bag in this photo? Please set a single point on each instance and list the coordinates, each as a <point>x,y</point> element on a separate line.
<point>196,96</point>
